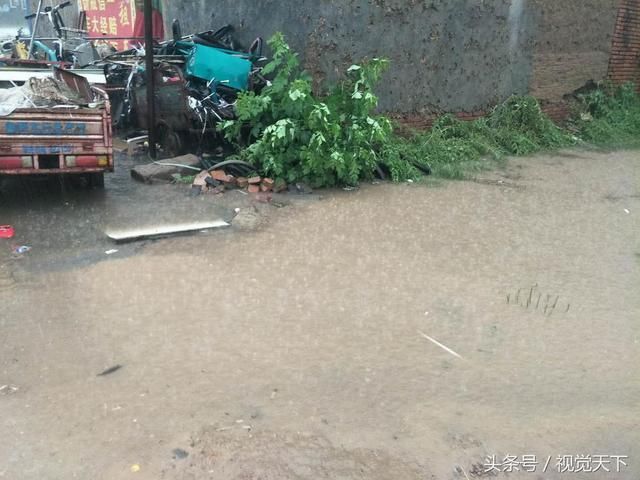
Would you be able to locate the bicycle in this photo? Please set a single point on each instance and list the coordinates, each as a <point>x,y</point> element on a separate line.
<point>71,45</point>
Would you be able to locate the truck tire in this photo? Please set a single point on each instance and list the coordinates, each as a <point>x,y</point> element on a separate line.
<point>95,180</point>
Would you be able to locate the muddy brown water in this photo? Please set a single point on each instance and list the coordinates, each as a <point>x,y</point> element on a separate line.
<point>296,351</point>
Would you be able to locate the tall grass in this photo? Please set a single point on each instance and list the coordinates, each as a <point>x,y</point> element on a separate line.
<point>610,117</point>
<point>455,148</point>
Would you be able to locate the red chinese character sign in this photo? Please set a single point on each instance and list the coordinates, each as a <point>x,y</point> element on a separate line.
<point>156,19</point>
<point>110,18</point>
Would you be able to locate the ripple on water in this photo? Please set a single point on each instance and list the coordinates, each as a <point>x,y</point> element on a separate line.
<point>7,278</point>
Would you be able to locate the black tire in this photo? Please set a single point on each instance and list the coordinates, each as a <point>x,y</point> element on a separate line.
<point>95,180</point>
<point>176,29</point>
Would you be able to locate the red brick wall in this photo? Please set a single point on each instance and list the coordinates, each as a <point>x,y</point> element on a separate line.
<point>624,64</point>
<point>557,111</point>
<point>572,45</point>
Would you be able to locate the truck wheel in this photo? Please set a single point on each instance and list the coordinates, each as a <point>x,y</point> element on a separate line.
<point>95,180</point>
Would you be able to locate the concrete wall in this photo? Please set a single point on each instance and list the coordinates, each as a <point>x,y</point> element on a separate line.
<point>447,55</point>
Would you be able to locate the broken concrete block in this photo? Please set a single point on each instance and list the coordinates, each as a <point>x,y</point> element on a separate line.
<point>230,180</point>
<point>247,219</point>
<point>254,188</point>
<point>155,173</point>
<point>254,180</point>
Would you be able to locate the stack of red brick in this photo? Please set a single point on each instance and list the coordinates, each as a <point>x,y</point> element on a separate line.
<point>218,181</point>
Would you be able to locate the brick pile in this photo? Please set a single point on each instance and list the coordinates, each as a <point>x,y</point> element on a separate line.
<point>217,181</point>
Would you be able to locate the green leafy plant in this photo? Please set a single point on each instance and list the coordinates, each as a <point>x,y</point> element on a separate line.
<point>289,133</point>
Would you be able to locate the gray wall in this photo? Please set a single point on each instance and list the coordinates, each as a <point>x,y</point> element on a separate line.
<point>446,54</point>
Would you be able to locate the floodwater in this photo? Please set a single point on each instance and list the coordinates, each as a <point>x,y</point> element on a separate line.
<point>65,224</point>
<point>393,332</point>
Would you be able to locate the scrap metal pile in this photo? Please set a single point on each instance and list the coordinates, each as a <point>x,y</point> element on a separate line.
<point>38,92</point>
<point>197,79</point>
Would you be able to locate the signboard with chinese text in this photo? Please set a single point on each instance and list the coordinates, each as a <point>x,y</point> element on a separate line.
<point>110,18</point>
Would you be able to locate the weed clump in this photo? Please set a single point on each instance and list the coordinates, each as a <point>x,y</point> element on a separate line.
<point>455,148</point>
<point>610,116</point>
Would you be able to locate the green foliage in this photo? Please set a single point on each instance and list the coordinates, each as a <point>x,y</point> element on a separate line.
<point>519,127</point>
<point>610,116</point>
<point>455,148</point>
<point>291,134</point>
<point>184,179</point>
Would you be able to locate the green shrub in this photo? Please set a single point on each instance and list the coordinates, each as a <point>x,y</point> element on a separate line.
<point>610,116</point>
<point>291,134</point>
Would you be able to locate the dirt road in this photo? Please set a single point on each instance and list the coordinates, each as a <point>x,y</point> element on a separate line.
<point>303,349</point>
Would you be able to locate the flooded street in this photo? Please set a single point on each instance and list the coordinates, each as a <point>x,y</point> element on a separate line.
<point>392,332</point>
<point>64,223</point>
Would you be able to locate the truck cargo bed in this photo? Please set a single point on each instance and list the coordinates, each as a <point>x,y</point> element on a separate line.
<point>59,139</point>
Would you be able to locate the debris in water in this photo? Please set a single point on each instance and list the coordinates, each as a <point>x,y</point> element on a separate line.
<point>21,249</point>
<point>163,230</point>
<point>8,389</point>
<point>109,371</point>
<point>179,453</point>
<point>6,231</point>
<point>445,348</point>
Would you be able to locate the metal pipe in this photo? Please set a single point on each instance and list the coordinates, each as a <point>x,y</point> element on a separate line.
<point>93,39</point>
<point>35,27</point>
<point>151,102</point>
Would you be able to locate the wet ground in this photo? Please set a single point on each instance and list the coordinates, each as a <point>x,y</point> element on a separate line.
<point>393,332</point>
<point>64,222</point>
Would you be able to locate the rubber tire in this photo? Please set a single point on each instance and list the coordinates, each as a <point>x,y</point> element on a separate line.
<point>95,180</point>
